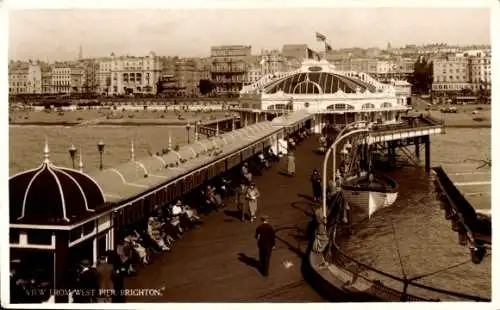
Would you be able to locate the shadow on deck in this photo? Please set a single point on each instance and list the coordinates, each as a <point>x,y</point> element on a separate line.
<point>217,263</point>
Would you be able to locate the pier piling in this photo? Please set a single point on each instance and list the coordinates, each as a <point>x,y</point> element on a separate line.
<point>417,147</point>
<point>427,142</point>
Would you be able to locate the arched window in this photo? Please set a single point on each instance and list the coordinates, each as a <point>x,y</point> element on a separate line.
<point>307,87</point>
<point>386,105</point>
<point>343,106</point>
<point>367,106</point>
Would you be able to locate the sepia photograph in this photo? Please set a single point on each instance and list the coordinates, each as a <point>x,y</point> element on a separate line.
<point>248,155</point>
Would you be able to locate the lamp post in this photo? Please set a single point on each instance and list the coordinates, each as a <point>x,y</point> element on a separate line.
<point>72,153</point>
<point>197,130</point>
<point>100,148</point>
<point>188,127</point>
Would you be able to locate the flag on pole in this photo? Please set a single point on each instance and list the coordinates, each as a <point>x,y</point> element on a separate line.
<point>320,37</point>
<point>328,48</point>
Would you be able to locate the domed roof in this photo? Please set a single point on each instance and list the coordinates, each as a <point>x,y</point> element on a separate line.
<point>52,195</point>
<point>314,82</point>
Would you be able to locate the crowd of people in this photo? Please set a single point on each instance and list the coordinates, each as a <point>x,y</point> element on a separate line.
<point>157,233</point>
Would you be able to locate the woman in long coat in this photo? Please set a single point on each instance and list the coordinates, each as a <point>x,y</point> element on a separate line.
<point>252,196</point>
<point>316,185</point>
<point>241,201</point>
<point>291,164</point>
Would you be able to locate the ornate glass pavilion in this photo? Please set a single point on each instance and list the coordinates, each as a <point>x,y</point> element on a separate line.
<point>335,97</point>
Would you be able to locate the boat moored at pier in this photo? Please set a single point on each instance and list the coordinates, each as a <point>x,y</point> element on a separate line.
<point>368,193</point>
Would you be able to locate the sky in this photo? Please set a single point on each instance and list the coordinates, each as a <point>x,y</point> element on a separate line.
<point>50,35</point>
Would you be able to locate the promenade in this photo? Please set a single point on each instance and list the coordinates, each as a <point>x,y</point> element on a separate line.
<point>217,262</point>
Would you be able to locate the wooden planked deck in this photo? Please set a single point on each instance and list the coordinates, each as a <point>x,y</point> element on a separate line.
<point>216,262</point>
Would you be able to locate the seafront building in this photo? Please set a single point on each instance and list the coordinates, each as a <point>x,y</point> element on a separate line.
<point>229,68</point>
<point>46,73</point>
<point>381,69</point>
<point>90,75</point>
<point>254,73</point>
<point>272,61</point>
<point>480,70</point>
<point>299,51</point>
<point>123,75</point>
<point>332,96</point>
<point>467,73</point>
<point>66,78</point>
<point>25,78</point>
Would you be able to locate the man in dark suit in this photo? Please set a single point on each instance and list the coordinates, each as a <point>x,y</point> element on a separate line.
<point>117,277</point>
<point>104,276</point>
<point>266,240</point>
<point>88,285</point>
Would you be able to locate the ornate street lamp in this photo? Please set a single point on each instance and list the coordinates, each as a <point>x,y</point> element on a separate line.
<point>72,153</point>
<point>197,130</point>
<point>100,148</point>
<point>188,127</point>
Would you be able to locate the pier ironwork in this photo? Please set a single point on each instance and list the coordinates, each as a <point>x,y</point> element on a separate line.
<point>333,148</point>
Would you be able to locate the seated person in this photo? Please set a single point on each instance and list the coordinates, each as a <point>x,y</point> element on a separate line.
<point>247,176</point>
<point>125,257</point>
<point>146,241</point>
<point>155,234</point>
<point>244,169</point>
<point>214,197</point>
<point>225,187</point>
<point>139,249</point>
<point>179,210</point>
<point>171,231</point>
<point>175,221</point>
<point>191,213</point>
<point>263,161</point>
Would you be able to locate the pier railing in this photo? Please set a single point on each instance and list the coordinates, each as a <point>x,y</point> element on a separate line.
<point>375,280</point>
<point>462,206</point>
<point>406,127</point>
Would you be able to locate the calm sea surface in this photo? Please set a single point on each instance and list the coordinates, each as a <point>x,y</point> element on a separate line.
<point>27,142</point>
<point>415,225</point>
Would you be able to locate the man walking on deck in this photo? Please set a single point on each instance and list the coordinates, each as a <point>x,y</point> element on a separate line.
<point>265,236</point>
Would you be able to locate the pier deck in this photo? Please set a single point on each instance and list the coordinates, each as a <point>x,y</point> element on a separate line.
<point>216,262</point>
<point>473,183</point>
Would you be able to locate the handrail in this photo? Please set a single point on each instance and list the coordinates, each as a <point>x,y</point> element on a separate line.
<point>340,257</point>
<point>376,132</point>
